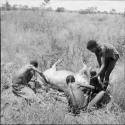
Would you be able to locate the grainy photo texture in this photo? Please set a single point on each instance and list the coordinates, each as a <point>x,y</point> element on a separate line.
<point>62,61</point>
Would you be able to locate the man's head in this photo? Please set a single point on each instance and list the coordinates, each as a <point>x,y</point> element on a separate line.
<point>92,45</point>
<point>70,79</point>
<point>34,63</point>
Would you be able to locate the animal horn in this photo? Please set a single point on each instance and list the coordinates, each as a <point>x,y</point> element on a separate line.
<point>57,62</point>
<point>84,65</point>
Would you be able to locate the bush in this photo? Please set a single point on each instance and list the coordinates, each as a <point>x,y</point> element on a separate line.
<point>60,9</point>
<point>83,12</point>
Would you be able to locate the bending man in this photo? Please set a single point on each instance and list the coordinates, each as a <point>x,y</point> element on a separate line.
<point>107,57</point>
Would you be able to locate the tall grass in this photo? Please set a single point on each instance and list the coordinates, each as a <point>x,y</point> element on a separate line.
<point>47,36</point>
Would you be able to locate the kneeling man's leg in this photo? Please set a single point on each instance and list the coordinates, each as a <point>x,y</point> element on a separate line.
<point>96,99</point>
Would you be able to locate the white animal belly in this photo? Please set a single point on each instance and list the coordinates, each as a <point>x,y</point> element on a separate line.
<point>81,79</point>
<point>57,77</point>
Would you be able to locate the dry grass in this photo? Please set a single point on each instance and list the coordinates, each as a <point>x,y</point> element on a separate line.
<point>47,36</point>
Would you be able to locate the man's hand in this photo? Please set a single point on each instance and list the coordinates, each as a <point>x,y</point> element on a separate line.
<point>44,78</point>
<point>33,80</point>
<point>96,76</point>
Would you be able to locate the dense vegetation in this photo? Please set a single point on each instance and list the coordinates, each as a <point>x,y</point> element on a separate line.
<point>47,36</point>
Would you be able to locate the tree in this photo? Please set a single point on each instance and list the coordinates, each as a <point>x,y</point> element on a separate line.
<point>14,7</point>
<point>91,9</point>
<point>8,6</point>
<point>60,9</point>
<point>45,2</point>
<point>25,7</point>
<point>113,11</point>
<point>49,9</point>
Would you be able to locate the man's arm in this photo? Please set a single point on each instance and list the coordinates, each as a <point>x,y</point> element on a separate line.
<point>102,66</point>
<point>98,59</point>
<point>34,77</point>
<point>88,86</point>
<point>35,69</point>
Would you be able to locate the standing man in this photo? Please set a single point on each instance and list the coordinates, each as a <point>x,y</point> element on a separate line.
<point>107,56</point>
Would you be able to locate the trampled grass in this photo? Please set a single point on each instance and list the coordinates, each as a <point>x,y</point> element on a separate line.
<point>47,36</point>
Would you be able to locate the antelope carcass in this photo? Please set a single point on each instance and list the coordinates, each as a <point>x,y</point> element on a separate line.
<point>58,77</point>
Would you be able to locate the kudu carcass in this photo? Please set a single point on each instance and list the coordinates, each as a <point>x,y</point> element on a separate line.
<point>58,77</point>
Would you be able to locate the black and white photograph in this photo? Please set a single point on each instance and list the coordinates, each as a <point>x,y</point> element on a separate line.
<point>62,62</point>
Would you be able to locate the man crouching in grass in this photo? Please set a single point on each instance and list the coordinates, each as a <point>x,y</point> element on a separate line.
<point>77,98</point>
<point>21,86</point>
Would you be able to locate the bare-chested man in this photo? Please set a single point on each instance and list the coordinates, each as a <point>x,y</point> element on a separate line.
<point>107,57</point>
<point>77,97</point>
<point>22,78</point>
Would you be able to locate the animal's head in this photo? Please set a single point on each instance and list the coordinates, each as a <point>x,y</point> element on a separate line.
<point>84,74</point>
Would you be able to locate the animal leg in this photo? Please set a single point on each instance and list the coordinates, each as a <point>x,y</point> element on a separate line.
<point>56,63</point>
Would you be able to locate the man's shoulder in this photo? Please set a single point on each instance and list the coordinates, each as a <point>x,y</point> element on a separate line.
<point>28,66</point>
<point>107,46</point>
<point>109,50</point>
